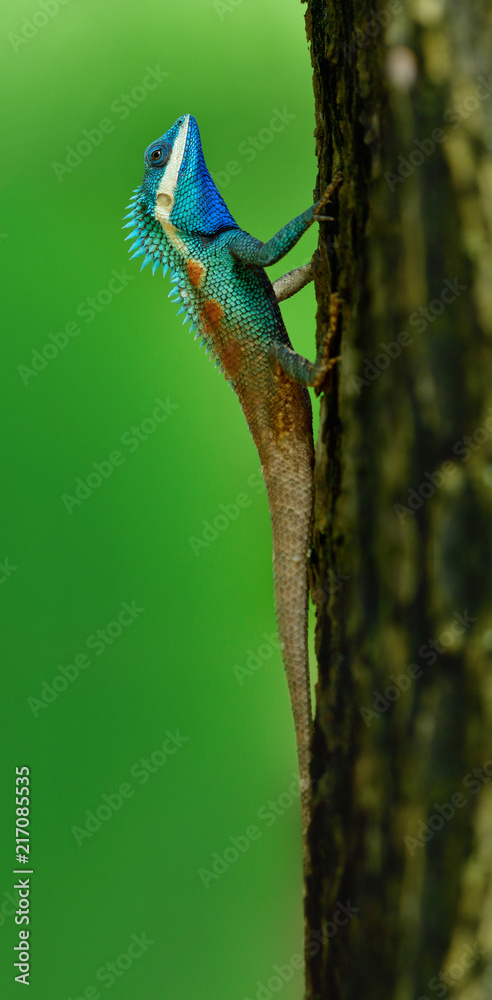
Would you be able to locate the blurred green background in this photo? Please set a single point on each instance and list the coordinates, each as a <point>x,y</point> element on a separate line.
<point>172,667</point>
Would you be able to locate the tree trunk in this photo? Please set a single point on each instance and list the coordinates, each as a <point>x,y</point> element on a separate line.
<point>401,562</point>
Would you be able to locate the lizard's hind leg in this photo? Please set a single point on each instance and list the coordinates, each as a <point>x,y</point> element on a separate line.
<point>299,369</point>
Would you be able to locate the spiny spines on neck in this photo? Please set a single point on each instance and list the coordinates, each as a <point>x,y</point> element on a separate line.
<point>147,230</point>
<point>149,245</point>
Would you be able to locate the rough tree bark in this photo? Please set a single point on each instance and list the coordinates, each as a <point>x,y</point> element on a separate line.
<point>401,564</point>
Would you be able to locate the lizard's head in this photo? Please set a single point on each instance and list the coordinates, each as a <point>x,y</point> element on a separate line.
<point>177,196</point>
<point>177,185</point>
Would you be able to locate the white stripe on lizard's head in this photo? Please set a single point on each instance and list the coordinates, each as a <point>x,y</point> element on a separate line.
<point>167,187</point>
<point>177,191</point>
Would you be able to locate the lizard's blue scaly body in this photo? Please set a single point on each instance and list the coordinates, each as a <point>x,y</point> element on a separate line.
<point>180,222</point>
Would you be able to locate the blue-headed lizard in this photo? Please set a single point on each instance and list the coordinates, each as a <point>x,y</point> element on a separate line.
<point>180,222</point>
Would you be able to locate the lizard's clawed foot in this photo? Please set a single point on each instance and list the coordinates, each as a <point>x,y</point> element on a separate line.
<point>326,197</point>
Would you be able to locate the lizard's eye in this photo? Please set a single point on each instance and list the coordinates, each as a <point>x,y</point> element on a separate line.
<point>157,156</point>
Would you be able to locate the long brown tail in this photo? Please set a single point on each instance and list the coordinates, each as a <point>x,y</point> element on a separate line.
<point>287,469</point>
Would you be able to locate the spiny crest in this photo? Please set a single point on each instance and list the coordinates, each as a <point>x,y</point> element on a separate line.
<point>149,245</point>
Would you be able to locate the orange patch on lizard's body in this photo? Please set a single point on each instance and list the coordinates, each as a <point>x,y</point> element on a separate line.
<point>232,358</point>
<point>195,271</point>
<point>212,314</point>
<point>229,351</point>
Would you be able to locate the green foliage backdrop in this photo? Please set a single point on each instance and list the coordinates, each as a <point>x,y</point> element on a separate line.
<point>170,667</point>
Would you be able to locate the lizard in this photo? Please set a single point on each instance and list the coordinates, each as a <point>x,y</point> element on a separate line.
<point>181,224</point>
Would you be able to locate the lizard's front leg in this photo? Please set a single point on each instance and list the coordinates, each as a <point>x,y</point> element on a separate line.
<point>294,280</point>
<point>252,251</point>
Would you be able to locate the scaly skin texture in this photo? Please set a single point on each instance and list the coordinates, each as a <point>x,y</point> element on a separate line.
<point>181,222</point>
